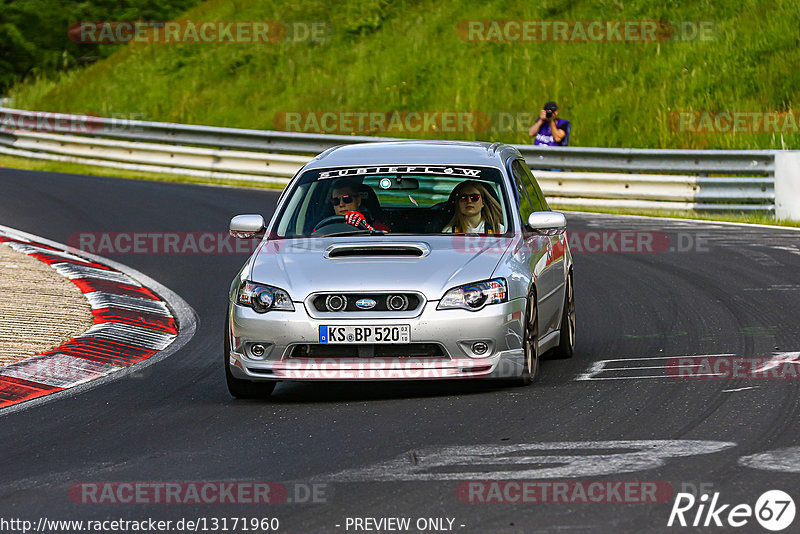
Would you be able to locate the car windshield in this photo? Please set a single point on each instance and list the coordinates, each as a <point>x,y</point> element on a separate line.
<point>396,200</point>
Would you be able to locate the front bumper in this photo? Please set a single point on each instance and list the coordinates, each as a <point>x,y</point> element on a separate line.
<point>500,326</point>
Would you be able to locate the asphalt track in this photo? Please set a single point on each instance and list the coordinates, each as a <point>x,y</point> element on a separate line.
<point>375,446</point>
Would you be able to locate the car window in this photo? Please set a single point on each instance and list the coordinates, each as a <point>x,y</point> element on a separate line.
<point>525,207</point>
<point>535,194</point>
<point>406,199</point>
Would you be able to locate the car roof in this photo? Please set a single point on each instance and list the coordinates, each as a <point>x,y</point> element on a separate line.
<point>415,153</point>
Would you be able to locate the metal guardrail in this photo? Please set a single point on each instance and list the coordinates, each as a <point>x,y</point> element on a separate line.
<point>257,164</point>
<point>180,134</point>
<point>646,178</point>
<point>670,192</point>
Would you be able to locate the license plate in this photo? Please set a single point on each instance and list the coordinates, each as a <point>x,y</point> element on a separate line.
<point>393,333</point>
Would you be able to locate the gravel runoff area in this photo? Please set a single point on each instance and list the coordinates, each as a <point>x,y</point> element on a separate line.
<point>39,308</point>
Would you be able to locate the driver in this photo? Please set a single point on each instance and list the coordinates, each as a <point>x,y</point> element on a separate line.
<point>346,202</point>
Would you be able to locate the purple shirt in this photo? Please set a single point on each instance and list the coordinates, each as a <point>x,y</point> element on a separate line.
<point>545,136</point>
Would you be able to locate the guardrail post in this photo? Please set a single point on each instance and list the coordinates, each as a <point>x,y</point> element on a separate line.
<point>787,184</point>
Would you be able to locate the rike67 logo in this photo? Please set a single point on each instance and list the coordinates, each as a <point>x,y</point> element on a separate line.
<point>774,510</point>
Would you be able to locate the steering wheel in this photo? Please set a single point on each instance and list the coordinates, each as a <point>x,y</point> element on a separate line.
<point>327,221</point>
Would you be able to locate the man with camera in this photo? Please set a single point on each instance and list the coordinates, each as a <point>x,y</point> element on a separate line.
<point>549,129</point>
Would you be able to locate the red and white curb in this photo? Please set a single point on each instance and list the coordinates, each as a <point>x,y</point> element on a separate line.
<point>135,318</point>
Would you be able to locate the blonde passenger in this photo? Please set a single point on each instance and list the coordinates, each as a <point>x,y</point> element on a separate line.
<point>476,210</point>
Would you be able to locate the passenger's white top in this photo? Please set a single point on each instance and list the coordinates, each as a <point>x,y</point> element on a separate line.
<point>470,230</point>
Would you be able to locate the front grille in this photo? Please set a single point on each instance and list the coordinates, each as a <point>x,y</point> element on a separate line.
<point>400,350</point>
<point>380,299</point>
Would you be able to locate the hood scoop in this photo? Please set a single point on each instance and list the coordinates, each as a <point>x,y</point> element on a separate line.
<point>377,250</point>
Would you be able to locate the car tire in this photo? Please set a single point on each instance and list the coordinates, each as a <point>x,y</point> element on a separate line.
<point>243,389</point>
<point>530,344</point>
<point>566,345</point>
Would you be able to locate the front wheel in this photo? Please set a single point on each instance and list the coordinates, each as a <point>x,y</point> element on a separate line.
<point>530,344</point>
<point>243,389</point>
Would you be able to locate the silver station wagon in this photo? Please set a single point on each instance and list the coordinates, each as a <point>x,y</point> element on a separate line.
<point>413,260</point>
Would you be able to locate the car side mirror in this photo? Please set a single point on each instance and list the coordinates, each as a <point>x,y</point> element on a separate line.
<point>547,222</point>
<point>247,226</point>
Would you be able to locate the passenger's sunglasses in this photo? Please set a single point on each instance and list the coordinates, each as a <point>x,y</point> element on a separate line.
<point>344,199</point>
<point>474,197</point>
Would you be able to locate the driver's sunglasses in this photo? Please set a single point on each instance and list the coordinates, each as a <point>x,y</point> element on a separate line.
<point>474,197</point>
<point>344,199</point>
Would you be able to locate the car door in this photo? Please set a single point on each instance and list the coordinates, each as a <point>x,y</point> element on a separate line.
<point>558,242</point>
<point>541,257</point>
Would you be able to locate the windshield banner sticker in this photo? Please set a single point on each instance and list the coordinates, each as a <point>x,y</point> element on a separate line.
<point>402,169</point>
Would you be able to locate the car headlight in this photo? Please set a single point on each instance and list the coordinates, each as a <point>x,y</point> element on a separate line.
<point>263,298</point>
<point>476,295</point>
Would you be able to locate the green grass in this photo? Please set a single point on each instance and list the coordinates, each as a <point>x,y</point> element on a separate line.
<point>388,55</point>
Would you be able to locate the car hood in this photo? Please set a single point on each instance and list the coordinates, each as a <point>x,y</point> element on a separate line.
<point>305,266</point>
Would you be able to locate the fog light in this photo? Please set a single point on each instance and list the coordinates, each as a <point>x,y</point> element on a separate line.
<point>336,303</point>
<point>257,350</point>
<point>480,348</point>
<point>397,302</point>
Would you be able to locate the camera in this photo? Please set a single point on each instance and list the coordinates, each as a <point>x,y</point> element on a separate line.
<point>549,113</point>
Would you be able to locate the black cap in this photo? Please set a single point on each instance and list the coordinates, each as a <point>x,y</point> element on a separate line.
<point>550,106</point>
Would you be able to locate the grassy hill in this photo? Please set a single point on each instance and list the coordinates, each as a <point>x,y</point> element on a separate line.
<point>384,55</point>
